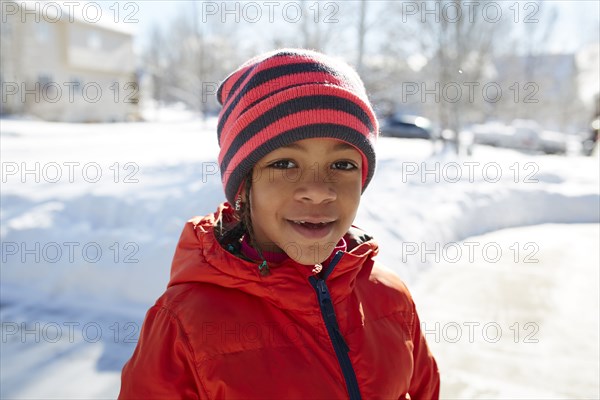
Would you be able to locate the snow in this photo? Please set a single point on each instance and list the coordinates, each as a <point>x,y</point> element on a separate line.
<point>522,326</point>
<point>89,231</point>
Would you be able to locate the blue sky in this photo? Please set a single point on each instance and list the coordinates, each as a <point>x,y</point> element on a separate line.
<point>577,24</point>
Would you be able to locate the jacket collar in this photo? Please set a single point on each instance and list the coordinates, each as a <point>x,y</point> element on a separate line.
<point>200,258</point>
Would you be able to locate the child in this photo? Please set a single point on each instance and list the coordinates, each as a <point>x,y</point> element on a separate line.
<point>276,295</point>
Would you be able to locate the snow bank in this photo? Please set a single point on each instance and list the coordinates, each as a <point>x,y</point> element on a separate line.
<point>427,199</point>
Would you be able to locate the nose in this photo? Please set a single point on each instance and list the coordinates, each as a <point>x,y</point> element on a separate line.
<point>315,188</point>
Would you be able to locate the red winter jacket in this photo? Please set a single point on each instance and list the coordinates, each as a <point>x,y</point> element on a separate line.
<point>223,331</point>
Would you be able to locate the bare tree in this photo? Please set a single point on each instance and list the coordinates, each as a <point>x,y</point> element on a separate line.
<point>154,65</point>
<point>189,60</point>
<point>457,42</point>
<point>362,32</point>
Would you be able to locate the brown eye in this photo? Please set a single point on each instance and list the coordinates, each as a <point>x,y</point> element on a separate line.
<point>344,165</point>
<point>282,164</point>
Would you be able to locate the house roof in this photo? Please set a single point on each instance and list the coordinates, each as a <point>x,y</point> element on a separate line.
<point>69,11</point>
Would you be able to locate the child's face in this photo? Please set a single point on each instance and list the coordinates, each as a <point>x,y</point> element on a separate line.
<point>304,198</point>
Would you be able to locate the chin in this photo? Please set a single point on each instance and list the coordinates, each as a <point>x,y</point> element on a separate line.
<point>309,261</point>
<point>308,255</point>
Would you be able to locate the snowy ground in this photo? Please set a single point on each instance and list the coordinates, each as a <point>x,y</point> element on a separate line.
<point>497,240</point>
<point>511,330</point>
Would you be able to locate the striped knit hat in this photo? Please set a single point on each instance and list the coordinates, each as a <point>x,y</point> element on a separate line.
<point>288,95</point>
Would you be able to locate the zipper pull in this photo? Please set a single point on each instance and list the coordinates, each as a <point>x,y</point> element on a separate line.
<point>318,268</point>
<point>263,268</point>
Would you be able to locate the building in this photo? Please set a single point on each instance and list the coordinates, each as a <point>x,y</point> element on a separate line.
<point>588,64</point>
<point>541,87</point>
<point>67,65</point>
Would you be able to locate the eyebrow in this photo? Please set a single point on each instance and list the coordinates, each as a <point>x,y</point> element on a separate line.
<point>336,147</point>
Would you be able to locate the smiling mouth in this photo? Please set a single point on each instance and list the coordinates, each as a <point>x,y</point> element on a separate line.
<point>312,225</point>
<point>314,229</point>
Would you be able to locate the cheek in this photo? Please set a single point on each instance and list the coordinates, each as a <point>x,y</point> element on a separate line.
<point>263,189</point>
<point>274,180</point>
<point>349,192</point>
<point>266,197</point>
<point>259,204</point>
<point>349,200</point>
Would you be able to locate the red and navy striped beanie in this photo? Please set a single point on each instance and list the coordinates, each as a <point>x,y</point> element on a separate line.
<point>288,95</point>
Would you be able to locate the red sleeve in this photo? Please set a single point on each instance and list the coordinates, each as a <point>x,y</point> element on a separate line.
<point>162,365</point>
<point>425,382</point>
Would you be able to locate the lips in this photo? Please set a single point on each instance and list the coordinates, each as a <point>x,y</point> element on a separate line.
<point>312,228</point>
<point>309,223</point>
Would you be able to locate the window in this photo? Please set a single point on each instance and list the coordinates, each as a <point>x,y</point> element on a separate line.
<point>94,41</point>
<point>42,32</point>
<point>44,79</point>
<point>75,85</point>
<point>6,28</point>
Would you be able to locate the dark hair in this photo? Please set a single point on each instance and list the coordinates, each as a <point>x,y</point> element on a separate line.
<point>231,233</point>
<point>230,237</point>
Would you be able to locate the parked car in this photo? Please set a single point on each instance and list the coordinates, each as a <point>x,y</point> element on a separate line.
<point>553,142</point>
<point>407,126</point>
<point>491,134</point>
<point>525,135</point>
<point>520,135</point>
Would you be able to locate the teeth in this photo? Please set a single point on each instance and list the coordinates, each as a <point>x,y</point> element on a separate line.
<point>304,222</point>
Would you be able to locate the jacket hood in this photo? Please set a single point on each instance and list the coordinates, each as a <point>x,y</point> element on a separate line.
<point>200,258</point>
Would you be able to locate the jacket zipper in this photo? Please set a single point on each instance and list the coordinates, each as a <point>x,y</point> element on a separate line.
<point>339,344</point>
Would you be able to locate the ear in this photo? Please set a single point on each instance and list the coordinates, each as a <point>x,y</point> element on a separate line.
<point>240,198</point>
